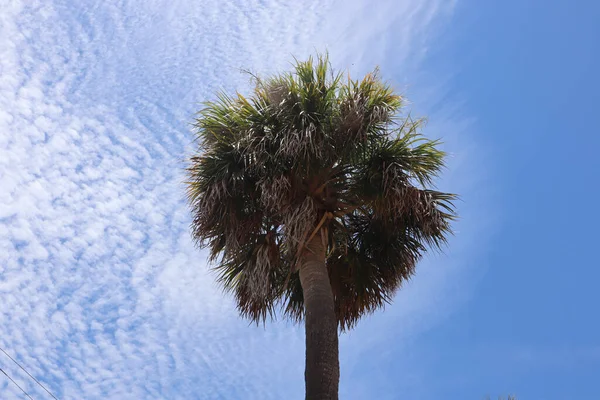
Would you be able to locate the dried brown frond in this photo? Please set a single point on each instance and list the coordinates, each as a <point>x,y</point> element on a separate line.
<point>266,260</point>
<point>303,144</point>
<point>299,220</point>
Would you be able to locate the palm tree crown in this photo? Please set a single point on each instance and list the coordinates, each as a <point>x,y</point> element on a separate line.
<point>313,153</point>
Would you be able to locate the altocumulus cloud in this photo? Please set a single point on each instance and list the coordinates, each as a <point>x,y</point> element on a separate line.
<point>103,295</point>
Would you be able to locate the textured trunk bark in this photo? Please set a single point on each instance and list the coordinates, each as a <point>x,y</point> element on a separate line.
<point>322,373</point>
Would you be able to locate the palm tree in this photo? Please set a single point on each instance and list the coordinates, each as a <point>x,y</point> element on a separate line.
<point>312,196</point>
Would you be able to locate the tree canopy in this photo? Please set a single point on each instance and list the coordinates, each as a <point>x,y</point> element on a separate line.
<point>312,152</point>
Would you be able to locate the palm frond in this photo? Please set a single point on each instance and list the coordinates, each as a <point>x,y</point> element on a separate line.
<point>253,274</point>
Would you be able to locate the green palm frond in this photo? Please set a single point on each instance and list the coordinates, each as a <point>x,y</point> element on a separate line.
<point>309,148</point>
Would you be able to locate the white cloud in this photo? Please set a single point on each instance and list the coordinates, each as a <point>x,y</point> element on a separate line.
<point>104,295</point>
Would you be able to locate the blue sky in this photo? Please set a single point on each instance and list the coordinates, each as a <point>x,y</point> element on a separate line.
<point>103,294</point>
<point>529,73</point>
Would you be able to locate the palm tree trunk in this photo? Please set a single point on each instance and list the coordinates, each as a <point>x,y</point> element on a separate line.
<point>322,373</point>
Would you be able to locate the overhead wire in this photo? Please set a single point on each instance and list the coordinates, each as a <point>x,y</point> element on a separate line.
<point>16,384</point>
<point>27,372</point>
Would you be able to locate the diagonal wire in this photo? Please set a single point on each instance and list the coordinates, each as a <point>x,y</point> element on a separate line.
<point>13,381</point>
<point>31,376</point>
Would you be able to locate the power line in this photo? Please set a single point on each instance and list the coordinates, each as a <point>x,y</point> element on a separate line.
<point>31,376</point>
<point>13,381</point>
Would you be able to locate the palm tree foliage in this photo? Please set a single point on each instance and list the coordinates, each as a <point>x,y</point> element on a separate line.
<point>312,152</point>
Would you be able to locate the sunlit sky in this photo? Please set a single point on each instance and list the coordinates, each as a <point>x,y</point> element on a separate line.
<point>104,296</point>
